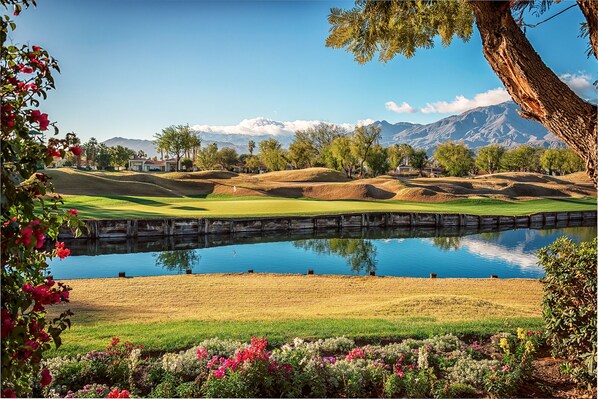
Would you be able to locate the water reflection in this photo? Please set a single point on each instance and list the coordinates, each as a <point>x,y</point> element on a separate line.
<point>507,253</point>
<point>360,254</point>
<point>177,260</point>
<point>447,243</point>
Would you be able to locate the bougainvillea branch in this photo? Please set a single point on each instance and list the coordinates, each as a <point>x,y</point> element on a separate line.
<point>30,213</point>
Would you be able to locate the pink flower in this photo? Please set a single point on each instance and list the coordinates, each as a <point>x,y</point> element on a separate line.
<point>73,212</point>
<point>219,373</point>
<point>355,354</point>
<point>36,48</point>
<point>202,353</point>
<point>46,378</point>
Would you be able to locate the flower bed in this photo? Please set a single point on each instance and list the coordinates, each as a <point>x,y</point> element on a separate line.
<point>442,366</point>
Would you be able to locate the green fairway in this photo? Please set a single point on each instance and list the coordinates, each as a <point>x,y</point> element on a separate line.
<point>177,335</point>
<point>98,207</point>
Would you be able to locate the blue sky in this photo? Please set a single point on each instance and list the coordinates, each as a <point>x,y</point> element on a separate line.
<point>131,68</point>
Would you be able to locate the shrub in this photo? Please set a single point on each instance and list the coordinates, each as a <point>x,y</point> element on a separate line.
<point>569,304</point>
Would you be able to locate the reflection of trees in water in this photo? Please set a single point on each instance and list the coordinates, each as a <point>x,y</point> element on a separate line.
<point>177,260</point>
<point>575,233</point>
<point>360,254</point>
<point>447,243</point>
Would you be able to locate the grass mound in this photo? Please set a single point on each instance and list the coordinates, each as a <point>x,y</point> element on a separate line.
<point>305,175</point>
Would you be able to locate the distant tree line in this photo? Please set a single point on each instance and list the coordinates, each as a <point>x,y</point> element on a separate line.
<point>357,153</point>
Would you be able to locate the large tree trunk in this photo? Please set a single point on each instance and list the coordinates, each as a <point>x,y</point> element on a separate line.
<point>589,8</point>
<point>542,96</point>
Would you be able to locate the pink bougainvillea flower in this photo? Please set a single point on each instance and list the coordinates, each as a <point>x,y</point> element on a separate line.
<point>76,150</point>
<point>36,48</point>
<point>46,378</point>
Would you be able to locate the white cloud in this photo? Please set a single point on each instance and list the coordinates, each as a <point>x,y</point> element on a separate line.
<point>365,122</point>
<point>462,103</point>
<point>265,126</point>
<point>580,84</point>
<point>404,108</point>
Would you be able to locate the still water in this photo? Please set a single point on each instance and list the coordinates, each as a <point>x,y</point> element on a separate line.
<point>396,252</point>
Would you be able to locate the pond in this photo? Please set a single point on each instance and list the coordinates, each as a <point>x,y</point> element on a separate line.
<point>389,252</point>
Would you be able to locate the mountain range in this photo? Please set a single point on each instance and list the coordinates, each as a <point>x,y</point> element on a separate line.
<point>478,127</point>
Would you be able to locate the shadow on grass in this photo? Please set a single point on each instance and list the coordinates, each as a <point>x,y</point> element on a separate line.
<point>137,200</point>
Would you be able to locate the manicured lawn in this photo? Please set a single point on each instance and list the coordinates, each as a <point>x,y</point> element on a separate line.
<point>174,312</point>
<point>96,207</point>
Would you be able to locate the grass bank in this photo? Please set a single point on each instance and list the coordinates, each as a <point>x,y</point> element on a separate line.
<point>99,207</point>
<point>174,312</point>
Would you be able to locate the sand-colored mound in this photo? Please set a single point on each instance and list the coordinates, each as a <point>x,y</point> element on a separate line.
<point>576,178</point>
<point>320,183</point>
<point>207,174</point>
<point>305,175</point>
<point>421,194</point>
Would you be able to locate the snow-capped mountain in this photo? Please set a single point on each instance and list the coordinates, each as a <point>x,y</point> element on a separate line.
<point>500,124</point>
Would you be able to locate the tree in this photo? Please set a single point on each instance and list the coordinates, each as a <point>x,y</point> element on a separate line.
<point>377,160</point>
<point>253,163</point>
<point>179,260</point>
<point>455,158</point>
<point>29,214</point>
<point>207,158</point>
<point>90,148</point>
<point>489,158</point>
<point>104,156</point>
<point>187,163</point>
<point>121,155</point>
<point>321,135</point>
<point>272,155</point>
<point>227,157</point>
<point>141,154</point>
<point>302,154</point>
<point>176,140</point>
<point>525,158</point>
<point>342,152</point>
<point>398,154</point>
<point>400,27</point>
<point>551,160</point>
<point>363,139</point>
<point>561,161</point>
<point>251,147</point>
<point>419,160</point>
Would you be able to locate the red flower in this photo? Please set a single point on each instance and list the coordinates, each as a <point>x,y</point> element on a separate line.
<point>73,212</point>
<point>26,236</point>
<point>54,152</point>
<point>76,150</point>
<point>25,69</point>
<point>42,119</point>
<point>7,323</point>
<point>36,48</point>
<point>46,377</point>
<point>62,252</point>
<point>116,394</point>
